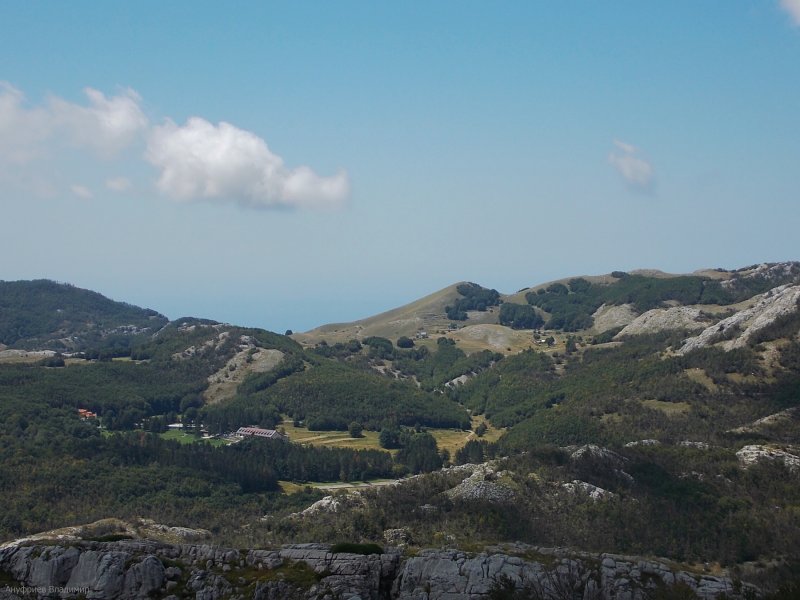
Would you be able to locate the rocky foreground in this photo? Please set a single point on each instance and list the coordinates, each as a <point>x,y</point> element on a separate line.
<point>156,569</point>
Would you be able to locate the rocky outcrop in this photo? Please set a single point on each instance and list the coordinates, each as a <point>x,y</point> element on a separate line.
<point>595,453</point>
<point>737,330</point>
<point>750,455</point>
<point>331,504</point>
<point>485,483</point>
<point>147,569</point>
<point>613,317</point>
<point>771,424</point>
<point>648,442</point>
<point>92,573</point>
<point>451,575</point>
<point>595,493</point>
<point>665,319</point>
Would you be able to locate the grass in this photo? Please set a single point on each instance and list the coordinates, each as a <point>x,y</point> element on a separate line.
<point>333,439</point>
<point>426,313</point>
<point>668,408</point>
<point>474,337</point>
<point>701,377</point>
<point>188,438</point>
<point>288,487</point>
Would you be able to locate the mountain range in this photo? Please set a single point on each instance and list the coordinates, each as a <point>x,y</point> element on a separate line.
<point>640,413</point>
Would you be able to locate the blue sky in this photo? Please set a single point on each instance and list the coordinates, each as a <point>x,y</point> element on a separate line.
<point>284,165</point>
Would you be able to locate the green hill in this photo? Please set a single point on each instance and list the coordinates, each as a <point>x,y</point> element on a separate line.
<point>43,314</point>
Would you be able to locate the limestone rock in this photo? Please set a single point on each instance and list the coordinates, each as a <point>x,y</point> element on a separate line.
<point>131,569</point>
<point>611,317</point>
<point>750,455</point>
<point>770,423</point>
<point>696,445</point>
<point>597,453</point>
<point>331,504</point>
<point>665,319</point>
<point>592,491</point>
<point>737,330</point>
<point>643,443</point>
<point>484,484</point>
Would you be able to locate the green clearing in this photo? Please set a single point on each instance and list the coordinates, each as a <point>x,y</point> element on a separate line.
<point>336,439</point>
<point>449,439</point>
<point>668,408</point>
<point>188,438</point>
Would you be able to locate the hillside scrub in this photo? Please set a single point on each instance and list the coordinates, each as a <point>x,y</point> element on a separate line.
<point>571,307</point>
<point>333,394</point>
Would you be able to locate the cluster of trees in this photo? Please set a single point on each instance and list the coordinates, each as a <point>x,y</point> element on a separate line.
<point>338,350</point>
<point>474,297</point>
<point>418,451</point>
<point>475,452</point>
<point>433,369</point>
<point>570,308</point>
<point>520,316</point>
<point>380,347</point>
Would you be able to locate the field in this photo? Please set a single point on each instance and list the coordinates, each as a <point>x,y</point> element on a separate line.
<point>450,439</point>
<point>188,438</point>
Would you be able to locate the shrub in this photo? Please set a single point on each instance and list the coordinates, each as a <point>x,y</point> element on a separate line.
<point>355,429</point>
<point>405,342</point>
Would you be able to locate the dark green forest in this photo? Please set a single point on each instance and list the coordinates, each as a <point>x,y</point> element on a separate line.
<point>473,297</point>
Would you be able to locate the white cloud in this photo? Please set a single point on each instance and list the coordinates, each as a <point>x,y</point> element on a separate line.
<point>637,172</point>
<point>81,191</point>
<point>222,163</point>
<point>627,148</point>
<point>106,125</point>
<point>792,7</point>
<point>118,184</point>
<point>196,161</point>
<point>22,130</point>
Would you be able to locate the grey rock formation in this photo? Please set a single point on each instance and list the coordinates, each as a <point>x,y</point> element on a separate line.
<point>665,319</point>
<point>332,504</point>
<point>484,484</point>
<point>451,575</point>
<point>750,455</point>
<point>577,486</point>
<point>612,316</point>
<point>738,329</point>
<point>136,569</point>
